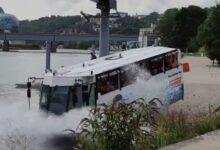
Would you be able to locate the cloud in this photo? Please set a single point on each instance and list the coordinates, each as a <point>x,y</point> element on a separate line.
<point>63,6</point>
<point>147,6</point>
<point>33,9</point>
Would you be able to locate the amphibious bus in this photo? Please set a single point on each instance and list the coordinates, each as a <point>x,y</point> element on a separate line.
<point>150,73</point>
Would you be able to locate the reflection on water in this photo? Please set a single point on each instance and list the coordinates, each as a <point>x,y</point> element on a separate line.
<point>17,121</point>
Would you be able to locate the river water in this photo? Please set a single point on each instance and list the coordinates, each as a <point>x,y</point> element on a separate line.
<point>21,128</point>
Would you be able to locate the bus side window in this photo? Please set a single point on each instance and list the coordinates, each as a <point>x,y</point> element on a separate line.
<point>106,88</point>
<point>156,65</point>
<point>168,62</point>
<point>85,95</point>
<point>108,82</point>
<point>174,61</point>
<point>171,61</point>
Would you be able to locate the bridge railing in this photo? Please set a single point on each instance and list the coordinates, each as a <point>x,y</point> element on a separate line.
<point>62,38</point>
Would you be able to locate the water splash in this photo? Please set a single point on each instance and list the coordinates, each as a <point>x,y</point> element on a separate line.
<point>21,127</point>
<point>146,85</point>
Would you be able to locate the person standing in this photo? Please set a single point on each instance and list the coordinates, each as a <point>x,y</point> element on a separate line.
<point>93,56</point>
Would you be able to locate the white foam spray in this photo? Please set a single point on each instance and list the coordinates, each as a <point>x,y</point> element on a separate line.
<point>148,86</point>
<point>29,129</point>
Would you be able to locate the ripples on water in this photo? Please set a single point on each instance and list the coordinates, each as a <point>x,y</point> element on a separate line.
<point>21,127</point>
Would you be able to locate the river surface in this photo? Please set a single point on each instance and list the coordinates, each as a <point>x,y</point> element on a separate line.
<point>20,127</point>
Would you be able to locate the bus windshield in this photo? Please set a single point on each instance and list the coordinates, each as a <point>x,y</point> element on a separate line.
<point>54,99</point>
<point>59,98</point>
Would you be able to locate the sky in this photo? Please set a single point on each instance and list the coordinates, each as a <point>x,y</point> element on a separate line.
<point>33,9</point>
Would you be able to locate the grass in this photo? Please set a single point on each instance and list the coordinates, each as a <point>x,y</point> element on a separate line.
<point>137,126</point>
<point>178,126</point>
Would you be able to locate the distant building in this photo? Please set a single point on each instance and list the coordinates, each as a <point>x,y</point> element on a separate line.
<point>148,37</point>
<point>95,21</point>
<point>139,16</point>
<point>121,14</point>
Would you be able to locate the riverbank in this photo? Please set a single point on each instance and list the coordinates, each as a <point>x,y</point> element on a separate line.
<point>202,86</point>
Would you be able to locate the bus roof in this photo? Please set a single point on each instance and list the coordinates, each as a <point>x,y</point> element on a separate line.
<point>111,62</point>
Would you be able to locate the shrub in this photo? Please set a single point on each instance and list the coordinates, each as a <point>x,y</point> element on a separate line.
<point>118,126</point>
<point>137,126</point>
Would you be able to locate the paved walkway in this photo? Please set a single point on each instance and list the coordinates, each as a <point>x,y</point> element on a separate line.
<point>202,85</point>
<point>210,141</point>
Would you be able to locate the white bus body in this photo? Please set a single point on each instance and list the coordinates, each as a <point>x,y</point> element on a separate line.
<point>148,73</point>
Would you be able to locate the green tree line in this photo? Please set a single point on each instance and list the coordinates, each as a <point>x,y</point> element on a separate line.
<point>191,28</point>
<point>128,25</point>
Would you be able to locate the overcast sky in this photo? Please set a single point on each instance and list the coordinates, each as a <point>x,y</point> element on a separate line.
<point>33,9</point>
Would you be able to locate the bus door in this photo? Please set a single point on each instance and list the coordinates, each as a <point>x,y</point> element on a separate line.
<point>82,95</point>
<point>73,98</point>
<point>88,95</point>
<point>77,97</point>
<point>92,94</point>
<point>85,95</point>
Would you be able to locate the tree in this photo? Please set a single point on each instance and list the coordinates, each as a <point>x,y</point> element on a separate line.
<point>187,22</point>
<point>166,26</point>
<point>179,27</point>
<point>52,24</point>
<point>131,25</point>
<point>209,34</point>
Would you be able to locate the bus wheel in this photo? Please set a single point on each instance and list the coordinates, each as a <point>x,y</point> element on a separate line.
<point>155,103</point>
<point>117,98</point>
